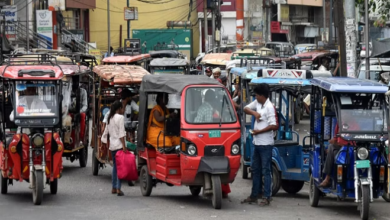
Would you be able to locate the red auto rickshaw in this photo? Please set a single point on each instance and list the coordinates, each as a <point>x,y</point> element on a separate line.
<point>208,152</point>
<point>31,147</point>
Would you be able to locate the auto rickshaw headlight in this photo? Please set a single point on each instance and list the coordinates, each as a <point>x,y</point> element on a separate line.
<point>362,153</point>
<point>191,149</point>
<point>38,141</point>
<point>235,149</point>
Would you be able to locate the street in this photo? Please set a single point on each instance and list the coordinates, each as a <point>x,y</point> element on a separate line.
<point>84,196</point>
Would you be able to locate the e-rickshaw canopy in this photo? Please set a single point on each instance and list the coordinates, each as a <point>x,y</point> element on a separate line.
<point>169,83</point>
<point>349,85</point>
<point>121,74</point>
<point>125,59</point>
<point>165,53</point>
<point>166,62</point>
<point>216,58</point>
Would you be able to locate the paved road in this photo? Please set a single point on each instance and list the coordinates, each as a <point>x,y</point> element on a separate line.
<point>83,196</point>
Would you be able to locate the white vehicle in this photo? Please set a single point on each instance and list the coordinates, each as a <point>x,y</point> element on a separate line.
<point>377,66</point>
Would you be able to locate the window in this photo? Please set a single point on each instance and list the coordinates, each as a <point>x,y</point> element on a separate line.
<point>209,105</point>
<point>35,100</point>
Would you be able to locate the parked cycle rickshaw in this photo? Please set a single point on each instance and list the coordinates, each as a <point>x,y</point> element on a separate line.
<point>353,115</point>
<point>191,150</point>
<point>31,147</point>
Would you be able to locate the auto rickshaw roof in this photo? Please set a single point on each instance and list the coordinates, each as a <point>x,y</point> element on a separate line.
<point>281,81</point>
<point>350,85</point>
<point>312,55</point>
<point>126,59</point>
<point>74,69</point>
<point>37,72</point>
<point>216,58</point>
<point>163,62</point>
<point>121,74</point>
<point>172,83</point>
<point>164,53</point>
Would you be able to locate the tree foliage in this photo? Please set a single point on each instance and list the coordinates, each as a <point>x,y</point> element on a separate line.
<point>379,7</point>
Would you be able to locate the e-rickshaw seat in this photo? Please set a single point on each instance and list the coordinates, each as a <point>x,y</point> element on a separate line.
<point>285,143</point>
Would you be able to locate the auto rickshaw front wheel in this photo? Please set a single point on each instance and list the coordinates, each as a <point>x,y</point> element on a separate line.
<point>314,193</point>
<point>146,181</point>
<point>365,202</point>
<point>54,187</point>
<point>83,156</point>
<point>4,184</point>
<point>37,187</point>
<point>217,191</point>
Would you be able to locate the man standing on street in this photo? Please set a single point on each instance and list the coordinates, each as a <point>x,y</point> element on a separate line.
<point>263,139</point>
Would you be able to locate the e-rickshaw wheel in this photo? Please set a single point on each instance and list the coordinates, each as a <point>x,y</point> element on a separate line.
<point>217,191</point>
<point>365,202</point>
<point>314,193</point>
<point>146,182</point>
<point>54,187</point>
<point>276,180</point>
<point>195,190</point>
<point>386,197</point>
<point>95,163</point>
<point>38,187</point>
<point>83,156</point>
<point>244,168</point>
<point>292,186</point>
<point>4,184</point>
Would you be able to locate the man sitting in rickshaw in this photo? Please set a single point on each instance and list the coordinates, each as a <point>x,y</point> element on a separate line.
<point>155,133</point>
<point>335,145</point>
<point>205,111</point>
<point>216,72</point>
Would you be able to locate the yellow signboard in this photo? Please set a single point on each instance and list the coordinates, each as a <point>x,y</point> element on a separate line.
<point>284,13</point>
<point>97,54</point>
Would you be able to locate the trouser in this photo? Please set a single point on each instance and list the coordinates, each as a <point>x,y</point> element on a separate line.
<point>116,182</point>
<point>332,151</point>
<point>261,167</point>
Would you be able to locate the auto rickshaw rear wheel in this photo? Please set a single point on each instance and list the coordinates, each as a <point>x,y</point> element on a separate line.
<point>365,202</point>
<point>95,163</point>
<point>37,187</point>
<point>4,184</point>
<point>146,181</point>
<point>276,180</point>
<point>83,156</point>
<point>217,191</point>
<point>386,197</point>
<point>244,169</point>
<point>314,193</point>
<point>54,187</point>
<point>195,190</point>
<point>292,186</point>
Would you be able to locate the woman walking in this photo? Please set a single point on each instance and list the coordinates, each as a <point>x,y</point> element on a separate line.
<point>116,129</point>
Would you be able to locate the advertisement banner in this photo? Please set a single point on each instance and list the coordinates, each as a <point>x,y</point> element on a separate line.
<point>10,12</point>
<point>98,55</point>
<point>45,27</point>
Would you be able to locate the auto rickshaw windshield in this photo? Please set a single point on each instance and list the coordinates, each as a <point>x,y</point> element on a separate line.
<point>36,100</point>
<point>363,113</point>
<point>208,105</point>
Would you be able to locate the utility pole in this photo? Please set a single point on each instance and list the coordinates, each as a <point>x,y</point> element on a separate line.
<point>27,29</point>
<point>366,35</point>
<point>128,22</point>
<point>219,26</point>
<point>205,26</point>
<point>213,28</point>
<point>341,38</point>
<point>350,37</point>
<point>331,22</point>
<point>108,28</point>
<point>240,20</point>
<point>324,18</point>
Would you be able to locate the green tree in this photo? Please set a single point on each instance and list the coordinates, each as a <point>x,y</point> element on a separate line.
<point>380,7</point>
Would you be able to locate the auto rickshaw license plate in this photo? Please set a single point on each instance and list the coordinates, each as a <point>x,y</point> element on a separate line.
<point>362,164</point>
<point>214,133</point>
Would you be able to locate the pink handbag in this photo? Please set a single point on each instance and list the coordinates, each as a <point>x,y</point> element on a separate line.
<point>125,165</point>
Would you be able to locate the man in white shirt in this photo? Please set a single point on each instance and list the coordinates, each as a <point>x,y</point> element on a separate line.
<point>263,139</point>
<point>325,65</point>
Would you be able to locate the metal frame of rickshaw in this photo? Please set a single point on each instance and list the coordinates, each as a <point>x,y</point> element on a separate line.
<point>362,179</point>
<point>105,95</point>
<point>209,166</point>
<point>76,72</point>
<point>314,58</point>
<point>215,60</point>
<point>170,64</point>
<point>37,171</point>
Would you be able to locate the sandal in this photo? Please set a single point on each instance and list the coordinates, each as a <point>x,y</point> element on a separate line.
<point>120,193</point>
<point>265,202</point>
<point>249,200</point>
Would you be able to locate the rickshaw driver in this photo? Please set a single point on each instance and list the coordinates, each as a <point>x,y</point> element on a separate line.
<point>156,124</point>
<point>335,145</point>
<point>83,107</point>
